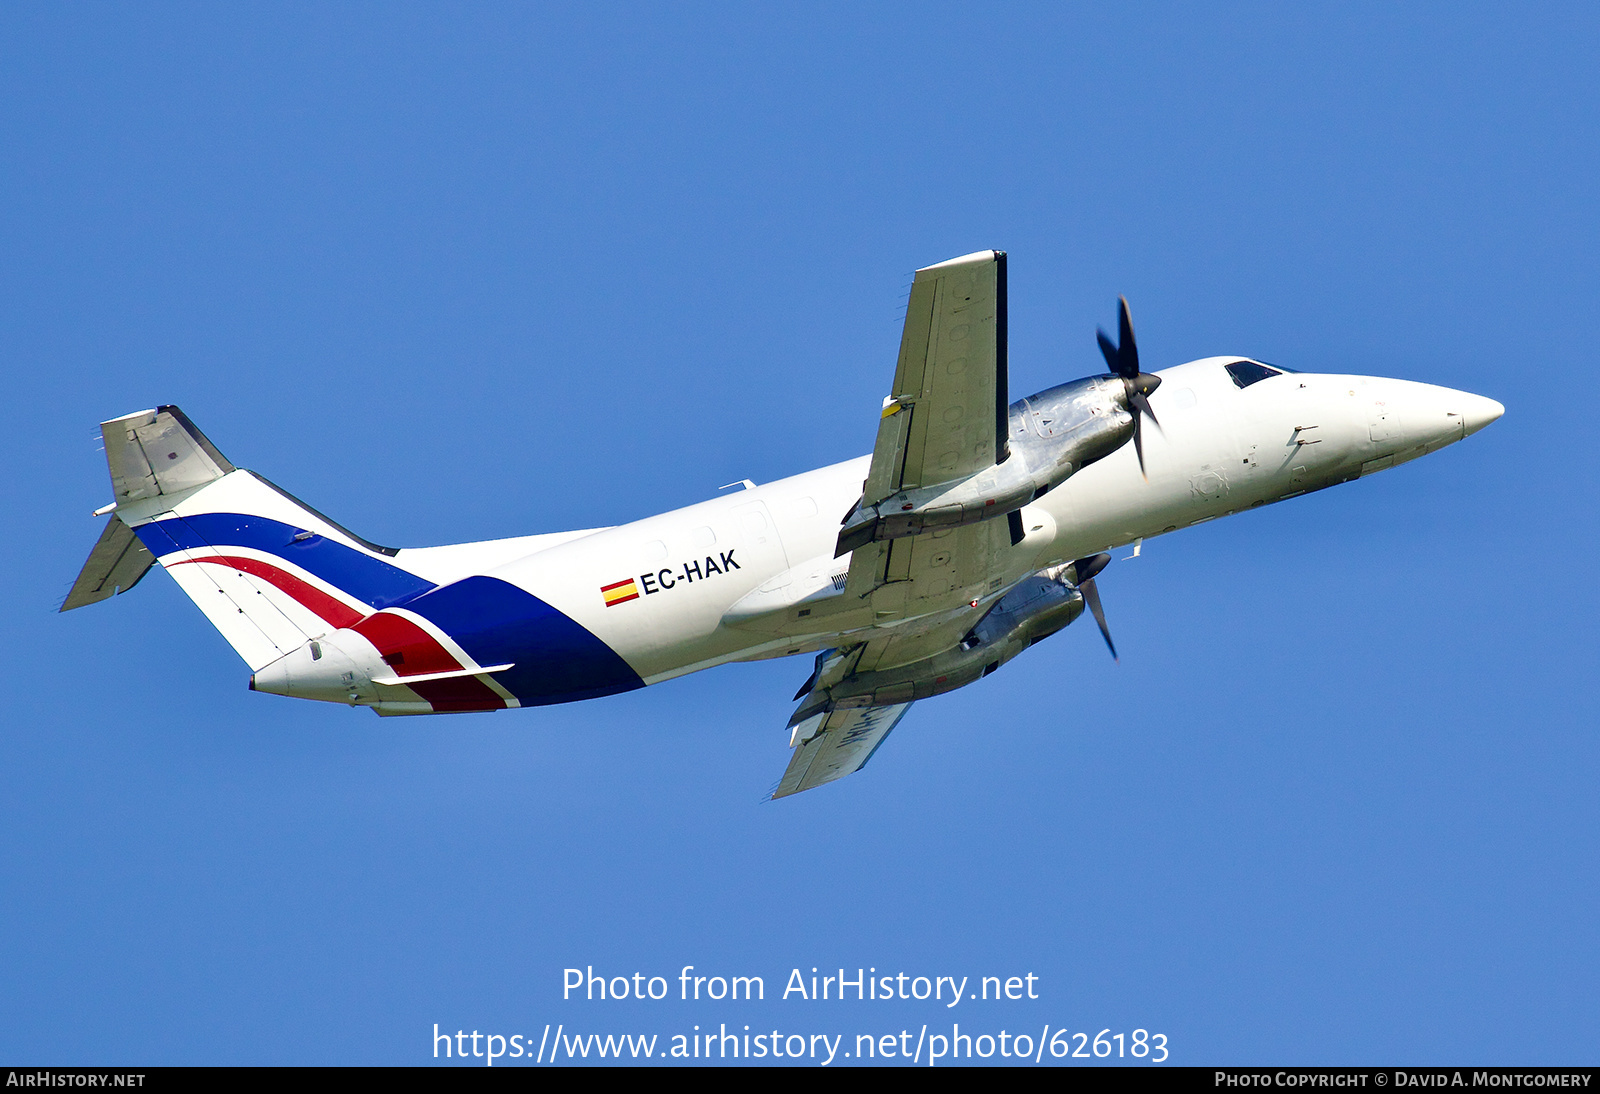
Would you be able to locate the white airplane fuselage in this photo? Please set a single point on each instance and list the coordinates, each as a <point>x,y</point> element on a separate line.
<point>1221,449</point>
<point>974,530</point>
<point>318,613</point>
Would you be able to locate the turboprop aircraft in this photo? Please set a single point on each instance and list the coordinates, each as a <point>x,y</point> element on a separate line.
<point>975,528</point>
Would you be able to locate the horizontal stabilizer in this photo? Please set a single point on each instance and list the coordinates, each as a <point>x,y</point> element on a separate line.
<point>157,452</point>
<point>115,565</point>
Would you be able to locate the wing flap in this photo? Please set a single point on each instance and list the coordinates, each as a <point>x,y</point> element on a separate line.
<point>931,572</point>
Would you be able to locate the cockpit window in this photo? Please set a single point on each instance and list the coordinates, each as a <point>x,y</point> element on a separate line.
<point>1245,373</point>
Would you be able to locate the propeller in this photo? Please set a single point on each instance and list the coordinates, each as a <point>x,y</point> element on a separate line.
<point>1085,569</point>
<point>1124,361</point>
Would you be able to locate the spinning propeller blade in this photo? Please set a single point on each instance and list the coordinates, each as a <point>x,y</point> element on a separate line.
<point>1085,569</point>
<point>1123,358</point>
<point>1091,593</point>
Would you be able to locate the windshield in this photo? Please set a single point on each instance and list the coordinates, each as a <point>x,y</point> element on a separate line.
<point>1245,373</point>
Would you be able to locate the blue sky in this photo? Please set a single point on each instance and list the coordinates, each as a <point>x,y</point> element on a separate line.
<point>453,273</point>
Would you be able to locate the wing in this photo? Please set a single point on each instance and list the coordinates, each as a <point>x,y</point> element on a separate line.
<point>933,572</point>
<point>945,418</point>
<point>842,742</point>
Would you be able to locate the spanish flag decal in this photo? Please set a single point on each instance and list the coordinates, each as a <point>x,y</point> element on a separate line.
<point>620,593</point>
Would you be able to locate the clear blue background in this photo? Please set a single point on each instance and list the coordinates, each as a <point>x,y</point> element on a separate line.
<point>455,272</point>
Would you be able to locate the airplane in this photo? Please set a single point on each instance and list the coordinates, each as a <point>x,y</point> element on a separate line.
<point>975,528</point>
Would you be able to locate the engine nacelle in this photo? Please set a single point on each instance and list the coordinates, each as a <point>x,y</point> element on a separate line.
<point>1052,435</point>
<point>1036,608</point>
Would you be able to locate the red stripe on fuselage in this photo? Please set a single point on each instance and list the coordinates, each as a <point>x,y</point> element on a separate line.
<point>404,646</point>
<point>458,694</point>
<point>412,651</point>
<point>333,612</point>
<point>408,649</point>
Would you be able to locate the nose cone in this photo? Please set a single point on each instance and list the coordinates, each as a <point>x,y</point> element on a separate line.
<point>1476,411</point>
<point>1409,419</point>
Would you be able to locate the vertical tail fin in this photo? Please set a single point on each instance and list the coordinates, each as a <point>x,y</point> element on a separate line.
<point>269,571</point>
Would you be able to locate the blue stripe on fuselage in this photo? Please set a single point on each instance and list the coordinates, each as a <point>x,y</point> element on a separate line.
<point>554,659</point>
<point>366,578</point>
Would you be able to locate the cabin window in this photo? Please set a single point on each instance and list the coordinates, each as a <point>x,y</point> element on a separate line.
<point>1245,373</point>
